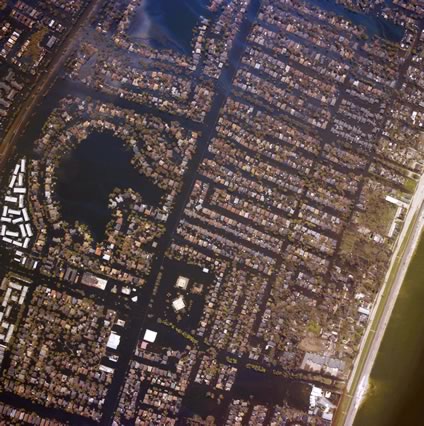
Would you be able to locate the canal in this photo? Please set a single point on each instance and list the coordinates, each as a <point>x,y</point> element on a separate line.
<point>396,391</point>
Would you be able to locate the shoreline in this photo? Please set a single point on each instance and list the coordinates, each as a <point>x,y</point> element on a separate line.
<point>383,307</point>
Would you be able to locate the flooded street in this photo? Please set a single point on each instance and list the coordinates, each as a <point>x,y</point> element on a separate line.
<point>200,160</point>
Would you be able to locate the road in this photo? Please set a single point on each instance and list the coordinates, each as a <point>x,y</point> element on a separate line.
<point>43,84</point>
<point>387,296</point>
<point>405,248</point>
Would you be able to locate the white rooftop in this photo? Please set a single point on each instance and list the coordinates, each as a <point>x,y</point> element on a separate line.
<point>150,336</point>
<point>114,340</point>
<point>182,282</point>
<point>178,303</point>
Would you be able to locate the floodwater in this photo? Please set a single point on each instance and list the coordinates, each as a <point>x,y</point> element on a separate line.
<point>85,180</point>
<point>396,393</point>
<point>271,389</point>
<point>167,23</point>
<point>374,25</point>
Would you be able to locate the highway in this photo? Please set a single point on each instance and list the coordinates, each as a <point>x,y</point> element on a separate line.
<point>44,82</point>
<point>403,253</point>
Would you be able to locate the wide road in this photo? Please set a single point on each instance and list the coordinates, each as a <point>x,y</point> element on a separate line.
<point>44,81</point>
<point>404,251</point>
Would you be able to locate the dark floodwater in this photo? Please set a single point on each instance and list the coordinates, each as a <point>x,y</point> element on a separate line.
<point>375,26</point>
<point>167,23</point>
<point>90,173</point>
<point>101,163</point>
<point>396,393</point>
<point>266,389</point>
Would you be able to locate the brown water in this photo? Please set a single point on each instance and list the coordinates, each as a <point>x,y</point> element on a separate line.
<point>396,394</point>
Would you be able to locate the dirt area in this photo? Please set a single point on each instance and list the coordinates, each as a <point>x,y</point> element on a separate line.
<point>312,344</point>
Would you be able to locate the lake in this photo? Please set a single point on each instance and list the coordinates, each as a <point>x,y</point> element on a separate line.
<point>396,392</point>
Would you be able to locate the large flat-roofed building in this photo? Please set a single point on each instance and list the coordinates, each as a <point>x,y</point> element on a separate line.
<point>182,282</point>
<point>178,304</point>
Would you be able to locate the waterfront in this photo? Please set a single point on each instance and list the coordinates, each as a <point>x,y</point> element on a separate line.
<point>238,219</point>
<point>395,392</point>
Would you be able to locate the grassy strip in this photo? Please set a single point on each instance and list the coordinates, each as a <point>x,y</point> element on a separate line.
<point>347,400</point>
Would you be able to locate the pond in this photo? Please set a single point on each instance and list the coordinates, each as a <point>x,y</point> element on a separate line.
<point>89,174</point>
